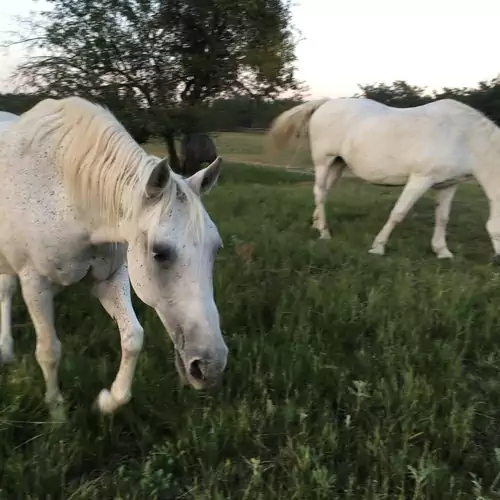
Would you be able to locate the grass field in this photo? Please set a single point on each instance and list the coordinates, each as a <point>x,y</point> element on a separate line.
<point>350,376</point>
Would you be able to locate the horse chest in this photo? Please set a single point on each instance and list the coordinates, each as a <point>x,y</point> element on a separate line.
<point>66,266</point>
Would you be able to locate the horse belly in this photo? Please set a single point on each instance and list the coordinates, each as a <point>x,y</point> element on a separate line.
<point>382,173</point>
<point>373,156</point>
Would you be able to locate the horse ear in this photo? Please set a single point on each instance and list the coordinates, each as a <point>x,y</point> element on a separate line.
<point>158,179</point>
<point>204,180</point>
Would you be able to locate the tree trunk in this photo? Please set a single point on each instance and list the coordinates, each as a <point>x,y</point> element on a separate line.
<point>173,158</point>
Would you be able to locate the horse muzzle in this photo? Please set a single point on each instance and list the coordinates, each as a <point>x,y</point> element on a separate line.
<point>199,370</point>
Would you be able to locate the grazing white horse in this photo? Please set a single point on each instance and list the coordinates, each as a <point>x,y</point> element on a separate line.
<point>5,116</point>
<point>81,199</point>
<point>8,283</point>
<point>436,145</point>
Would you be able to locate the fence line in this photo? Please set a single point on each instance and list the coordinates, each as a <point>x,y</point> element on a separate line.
<point>241,129</point>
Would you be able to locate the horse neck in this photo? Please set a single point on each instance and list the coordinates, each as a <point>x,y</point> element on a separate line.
<point>496,138</point>
<point>492,131</point>
<point>101,233</point>
<point>485,149</point>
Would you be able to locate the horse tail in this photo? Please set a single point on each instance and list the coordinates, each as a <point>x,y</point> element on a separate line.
<point>292,123</point>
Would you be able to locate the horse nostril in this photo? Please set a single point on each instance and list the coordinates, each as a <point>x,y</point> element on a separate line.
<point>196,367</point>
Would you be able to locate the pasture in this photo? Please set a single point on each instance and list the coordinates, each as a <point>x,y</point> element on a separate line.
<point>350,376</point>
<point>248,147</point>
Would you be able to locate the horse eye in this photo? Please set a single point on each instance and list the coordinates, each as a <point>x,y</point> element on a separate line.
<point>161,257</point>
<point>162,254</point>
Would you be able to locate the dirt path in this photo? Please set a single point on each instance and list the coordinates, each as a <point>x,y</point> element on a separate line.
<point>299,170</point>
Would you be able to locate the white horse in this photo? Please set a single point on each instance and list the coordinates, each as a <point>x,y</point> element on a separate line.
<point>80,198</point>
<point>436,145</point>
<point>6,116</point>
<point>8,284</point>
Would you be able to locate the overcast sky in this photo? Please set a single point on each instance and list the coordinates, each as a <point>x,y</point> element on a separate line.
<point>431,43</point>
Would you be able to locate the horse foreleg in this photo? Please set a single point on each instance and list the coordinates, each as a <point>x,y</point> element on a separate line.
<point>8,286</point>
<point>444,198</point>
<point>414,189</point>
<point>38,296</point>
<point>326,176</point>
<point>114,295</point>
<point>492,192</point>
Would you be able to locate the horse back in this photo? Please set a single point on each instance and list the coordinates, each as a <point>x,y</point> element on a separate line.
<point>444,138</point>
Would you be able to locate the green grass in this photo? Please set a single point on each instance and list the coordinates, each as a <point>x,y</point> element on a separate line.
<point>350,376</point>
<point>249,147</point>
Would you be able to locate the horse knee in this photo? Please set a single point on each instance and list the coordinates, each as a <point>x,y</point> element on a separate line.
<point>397,217</point>
<point>8,285</point>
<point>442,220</point>
<point>48,352</point>
<point>132,341</point>
<point>493,227</point>
<point>319,194</point>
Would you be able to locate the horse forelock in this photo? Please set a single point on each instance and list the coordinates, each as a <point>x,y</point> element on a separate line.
<point>177,192</point>
<point>104,170</point>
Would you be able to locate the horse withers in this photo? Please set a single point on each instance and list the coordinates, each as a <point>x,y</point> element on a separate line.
<point>436,145</point>
<point>80,198</point>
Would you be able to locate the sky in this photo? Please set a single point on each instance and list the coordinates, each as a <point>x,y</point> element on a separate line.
<point>430,43</point>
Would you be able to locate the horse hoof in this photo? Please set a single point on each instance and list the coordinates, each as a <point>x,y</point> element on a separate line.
<point>444,254</point>
<point>105,403</point>
<point>108,404</point>
<point>57,413</point>
<point>377,250</point>
<point>7,358</point>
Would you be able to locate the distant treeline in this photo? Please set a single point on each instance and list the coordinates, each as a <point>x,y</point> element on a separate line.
<point>223,114</point>
<point>485,97</point>
<point>233,114</point>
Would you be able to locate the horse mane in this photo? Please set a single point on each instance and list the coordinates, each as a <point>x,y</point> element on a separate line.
<point>104,170</point>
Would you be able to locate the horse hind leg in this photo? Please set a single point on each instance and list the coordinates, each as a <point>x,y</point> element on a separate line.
<point>8,285</point>
<point>444,199</point>
<point>493,228</point>
<point>414,189</point>
<point>326,176</point>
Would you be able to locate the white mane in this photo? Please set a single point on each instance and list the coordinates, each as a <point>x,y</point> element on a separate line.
<point>105,171</point>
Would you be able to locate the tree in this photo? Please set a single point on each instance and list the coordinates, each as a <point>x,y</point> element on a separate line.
<point>485,97</point>
<point>19,103</point>
<point>164,59</point>
<point>399,94</point>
